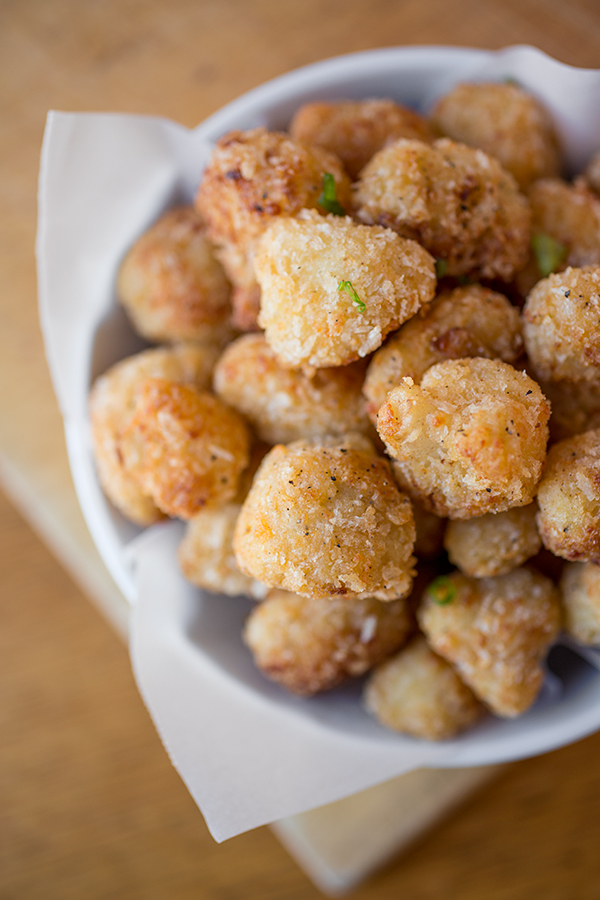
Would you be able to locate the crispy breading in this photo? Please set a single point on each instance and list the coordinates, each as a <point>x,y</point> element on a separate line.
<point>458,202</point>
<point>112,403</point>
<point>332,289</point>
<point>471,439</point>
<point>184,447</point>
<point>251,178</point>
<point>580,590</point>
<point>325,519</point>
<point>496,633</point>
<point>283,404</point>
<point>569,498</point>
<point>311,645</point>
<point>465,322</point>
<point>419,693</point>
<point>356,129</point>
<point>493,544</point>
<point>505,121</point>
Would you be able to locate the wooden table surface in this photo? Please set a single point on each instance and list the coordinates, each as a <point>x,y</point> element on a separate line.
<point>89,805</point>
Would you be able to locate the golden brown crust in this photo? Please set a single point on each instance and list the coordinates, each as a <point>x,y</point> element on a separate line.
<point>470,439</point>
<point>493,544</point>
<point>325,519</point>
<point>456,201</point>
<point>311,645</point>
<point>580,589</point>
<point>309,317</point>
<point>496,633</point>
<point>504,121</point>
<point>418,693</point>
<point>356,130</point>
<point>185,448</point>
<point>569,498</point>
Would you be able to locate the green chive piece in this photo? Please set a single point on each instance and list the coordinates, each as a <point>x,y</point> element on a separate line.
<point>442,591</point>
<point>441,267</point>
<point>347,286</point>
<point>549,253</point>
<point>328,199</point>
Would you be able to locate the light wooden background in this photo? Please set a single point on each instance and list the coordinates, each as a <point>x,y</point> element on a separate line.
<point>89,805</point>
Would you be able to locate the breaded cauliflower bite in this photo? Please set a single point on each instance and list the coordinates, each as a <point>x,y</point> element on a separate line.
<point>356,129</point>
<point>171,284</point>
<point>561,326</point>
<point>465,322</point>
<point>325,519</point>
<point>580,589</point>
<point>495,632</point>
<point>310,645</point>
<point>253,177</point>
<point>112,404</point>
<point>493,544</point>
<point>332,290</point>
<point>569,498</point>
<point>283,404</point>
<point>184,447</point>
<point>504,121</point>
<point>419,693</point>
<point>575,407</point>
<point>459,203</point>
<point>471,439</point>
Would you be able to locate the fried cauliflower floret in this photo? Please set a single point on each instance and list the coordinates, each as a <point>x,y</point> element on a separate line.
<point>471,439</point>
<point>466,322</point>
<point>459,203</point>
<point>493,544</point>
<point>171,284</point>
<point>575,407</point>
<point>112,404</point>
<point>495,632</point>
<point>206,555</point>
<point>311,645</point>
<point>561,326</point>
<point>253,177</point>
<point>356,130</point>
<point>418,693</point>
<point>332,289</point>
<point>580,589</point>
<point>283,404</point>
<point>504,121</point>
<point>569,498</point>
<point>325,519</point>
<point>184,447</point>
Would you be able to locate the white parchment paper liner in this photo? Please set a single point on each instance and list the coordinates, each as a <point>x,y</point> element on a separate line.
<point>248,752</point>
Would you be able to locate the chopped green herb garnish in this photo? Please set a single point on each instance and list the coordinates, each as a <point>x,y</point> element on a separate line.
<point>347,286</point>
<point>328,199</point>
<point>549,253</point>
<point>441,267</point>
<point>442,591</point>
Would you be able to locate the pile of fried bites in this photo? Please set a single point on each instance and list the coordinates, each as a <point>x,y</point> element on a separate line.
<point>365,324</point>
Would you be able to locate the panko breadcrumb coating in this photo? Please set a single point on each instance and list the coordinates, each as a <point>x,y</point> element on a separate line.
<point>569,498</point>
<point>471,439</point>
<point>112,404</point>
<point>465,322</point>
<point>419,693</point>
<point>493,544</point>
<point>580,589</point>
<point>561,326</point>
<point>311,645</point>
<point>459,203</point>
<point>506,122</point>
<point>332,289</point>
<point>283,404</point>
<point>206,555</point>
<point>185,448</point>
<point>171,284</point>
<point>356,129</point>
<point>495,632</point>
<point>253,177</point>
<point>325,519</point>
